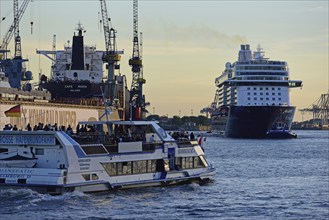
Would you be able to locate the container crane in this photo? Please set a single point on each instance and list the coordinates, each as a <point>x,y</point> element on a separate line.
<point>111,56</point>
<point>137,100</point>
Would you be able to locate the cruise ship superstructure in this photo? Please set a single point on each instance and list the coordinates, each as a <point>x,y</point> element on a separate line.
<point>252,96</point>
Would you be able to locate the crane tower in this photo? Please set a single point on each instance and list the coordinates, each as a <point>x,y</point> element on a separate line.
<point>111,56</point>
<point>137,100</point>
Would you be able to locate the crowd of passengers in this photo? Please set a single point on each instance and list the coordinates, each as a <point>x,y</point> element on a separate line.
<point>40,127</point>
<point>121,133</point>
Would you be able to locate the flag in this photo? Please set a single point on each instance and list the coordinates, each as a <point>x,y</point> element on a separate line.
<point>14,111</point>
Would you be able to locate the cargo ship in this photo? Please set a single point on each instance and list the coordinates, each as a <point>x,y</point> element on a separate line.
<point>252,96</point>
<point>74,92</point>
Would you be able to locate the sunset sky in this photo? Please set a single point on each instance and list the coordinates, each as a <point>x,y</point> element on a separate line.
<point>187,43</point>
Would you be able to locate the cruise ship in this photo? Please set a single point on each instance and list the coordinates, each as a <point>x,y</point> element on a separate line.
<point>252,96</point>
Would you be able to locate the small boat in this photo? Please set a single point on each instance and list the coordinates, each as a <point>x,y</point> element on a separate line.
<point>280,134</point>
<point>102,156</point>
<point>280,131</point>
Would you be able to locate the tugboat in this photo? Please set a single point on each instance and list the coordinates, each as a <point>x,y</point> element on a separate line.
<point>102,156</point>
<point>280,131</point>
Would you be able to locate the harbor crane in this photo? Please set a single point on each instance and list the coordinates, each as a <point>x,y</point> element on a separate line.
<point>137,99</point>
<point>319,110</point>
<point>111,56</point>
<point>13,68</point>
<point>14,29</point>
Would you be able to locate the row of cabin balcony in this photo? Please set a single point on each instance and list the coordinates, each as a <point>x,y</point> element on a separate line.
<point>261,78</point>
<point>253,67</point>
<point>252,73</point>
<point>266,62</point>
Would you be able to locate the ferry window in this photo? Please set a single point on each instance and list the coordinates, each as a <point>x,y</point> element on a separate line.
<point>94,149</point>
<point>187,162</point>
<point>3,150</point>
<point>198,163</point>
<point>178,162</point>
<point>162,132</point>
<point>94,176</point>
<point>126,168</point>
<point>151,166</point>
<point>120,170</point>
<point>110,168</point>
<point>86,176</point>
<point>139,166</point>
<point>39,151</point>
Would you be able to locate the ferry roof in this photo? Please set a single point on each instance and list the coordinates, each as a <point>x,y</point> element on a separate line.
<point>119,122</point>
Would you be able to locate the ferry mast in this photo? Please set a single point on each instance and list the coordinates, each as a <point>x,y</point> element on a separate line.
<point>137,99</point>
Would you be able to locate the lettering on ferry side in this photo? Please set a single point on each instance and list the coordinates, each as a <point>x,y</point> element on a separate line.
<point>15,171</point>
<point>186,151</point>
<point>84,164</point>
<point>27,139</point>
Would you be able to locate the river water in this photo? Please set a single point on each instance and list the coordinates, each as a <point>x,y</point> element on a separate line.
<point>256,179</point>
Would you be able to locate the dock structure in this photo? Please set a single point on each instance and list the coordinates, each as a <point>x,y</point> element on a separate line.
<point>319,110</point>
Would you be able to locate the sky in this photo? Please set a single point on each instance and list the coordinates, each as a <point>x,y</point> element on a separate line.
<point>187,43</point>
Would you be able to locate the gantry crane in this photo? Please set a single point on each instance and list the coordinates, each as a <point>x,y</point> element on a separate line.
<point>137,100</point>
<point>319,110</point>
<point>111,56</point>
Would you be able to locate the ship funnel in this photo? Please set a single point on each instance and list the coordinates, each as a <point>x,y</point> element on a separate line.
<point>245,53</point>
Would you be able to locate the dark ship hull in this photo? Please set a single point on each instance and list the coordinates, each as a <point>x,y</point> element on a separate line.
<point>72,89</point>
<point>251,121</point>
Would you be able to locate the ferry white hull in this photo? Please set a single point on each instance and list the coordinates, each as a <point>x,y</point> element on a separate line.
<point>67,163</point>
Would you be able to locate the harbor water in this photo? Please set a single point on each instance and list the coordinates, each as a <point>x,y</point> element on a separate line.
<point>256,179</point>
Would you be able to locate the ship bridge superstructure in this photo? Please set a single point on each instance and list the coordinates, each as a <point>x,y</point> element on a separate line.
<point>77,62</point>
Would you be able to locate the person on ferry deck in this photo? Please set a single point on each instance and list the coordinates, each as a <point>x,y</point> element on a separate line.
<point>152,139</point>
<point>28,127</point>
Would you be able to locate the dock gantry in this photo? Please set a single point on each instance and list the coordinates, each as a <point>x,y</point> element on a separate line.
<point>319,110</point>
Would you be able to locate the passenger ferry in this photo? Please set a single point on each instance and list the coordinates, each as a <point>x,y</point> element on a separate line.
<point>252,96</point>
<point>100,156</point>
